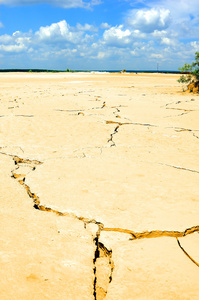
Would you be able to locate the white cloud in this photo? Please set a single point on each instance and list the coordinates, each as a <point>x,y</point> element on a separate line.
<point>195,45</point>
<point>184,14</point>
<point>6,39</point>
<point>58,32</point>
<point>86,27</point>
<point>105,26</point>
<point>116,36</point>
<point>51,46</point>
<point>15,43</point>
<point>153,55</point>
<point>101,55</point>
<point>180,10</point>
<point>57,36</point>
<point>164,37</point>
<point>84,47</point>
<point>138,34</point>
<point>149,20</point>
<point>159,33</point>
<point>60,3</point>
<point>134,53</point>
<point>13,48</point>
<point>87,39</point>
<point>167,41</point>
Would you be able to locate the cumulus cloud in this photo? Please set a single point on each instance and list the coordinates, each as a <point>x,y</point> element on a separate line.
<point>138,34</point>
<point>167,41</point>
<point>149,20</point>
<point>164,37</point>
<point>185,15</point>
<point>60,3</point>
<point>105,26</point>
<point>57,36</point>
<point>58,32</point>
<point>15,43</point>
<point>13,48</point>
<point>195,45</point>
<point>5,39</point>
<point>180,10</point>
<point>159,33</point>
<point>114,47</point>
<point>86,27</point>
<point>116,36</point>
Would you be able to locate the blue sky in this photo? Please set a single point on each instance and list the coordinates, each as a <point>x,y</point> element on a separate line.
<point>97,34</point>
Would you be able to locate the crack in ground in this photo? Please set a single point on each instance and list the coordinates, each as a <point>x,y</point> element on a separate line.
<point>179,168</point>
<point>184,113</point>
<point>181,129</point>
<point>117,110</point>
<point>185,252</point>
<point>158,234</point>
<point>153,233</point>
<point>103,269</point>
<point>81,110</point>
<point>103,265</point>
<point>131,123</point>
<point>25,116</point>
<point>3,147</point>
<point>195,136</point>
<point>178,102</point>
<point>121,124</point>
<point>112,134</point>
<point>185,110</point>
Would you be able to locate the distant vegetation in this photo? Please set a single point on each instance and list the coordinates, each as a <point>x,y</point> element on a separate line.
<point>35,70</point>
<point>191,75</point>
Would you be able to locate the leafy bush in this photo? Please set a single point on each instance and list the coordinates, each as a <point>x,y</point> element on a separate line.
<point>191,74</point>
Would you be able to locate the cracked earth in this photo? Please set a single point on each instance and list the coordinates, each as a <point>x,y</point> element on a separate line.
<point>99,187</point>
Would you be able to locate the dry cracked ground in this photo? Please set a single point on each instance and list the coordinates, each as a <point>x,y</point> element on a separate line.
<point>99,186</point>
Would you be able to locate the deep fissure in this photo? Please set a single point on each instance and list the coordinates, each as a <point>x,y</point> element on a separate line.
<point>102,255</point>
<point>101,252</point>
<point>96,256</point>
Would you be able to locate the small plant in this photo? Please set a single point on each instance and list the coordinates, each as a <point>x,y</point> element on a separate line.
<point>191,74</point>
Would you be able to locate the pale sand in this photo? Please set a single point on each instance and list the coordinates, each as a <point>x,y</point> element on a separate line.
<point>90,163</point>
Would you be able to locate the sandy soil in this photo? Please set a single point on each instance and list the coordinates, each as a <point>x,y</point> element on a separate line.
<point>99,177</point>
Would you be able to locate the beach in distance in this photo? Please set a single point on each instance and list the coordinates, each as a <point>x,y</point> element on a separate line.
<point>99,180</point>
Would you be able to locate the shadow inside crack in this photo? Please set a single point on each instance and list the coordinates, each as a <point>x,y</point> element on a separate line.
<point>103,270</point>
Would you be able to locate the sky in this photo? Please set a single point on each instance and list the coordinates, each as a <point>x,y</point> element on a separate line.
<point>98,34</point>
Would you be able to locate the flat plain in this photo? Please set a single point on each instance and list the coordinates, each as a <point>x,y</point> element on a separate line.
<point>99,180</point>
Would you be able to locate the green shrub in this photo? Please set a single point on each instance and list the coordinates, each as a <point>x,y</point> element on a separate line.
<point>191,72</point>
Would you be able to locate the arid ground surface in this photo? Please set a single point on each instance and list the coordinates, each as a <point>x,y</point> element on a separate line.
<point>99,181</point>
